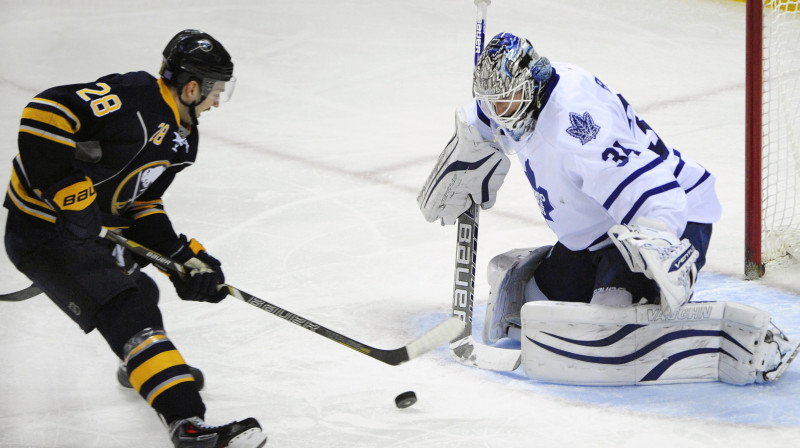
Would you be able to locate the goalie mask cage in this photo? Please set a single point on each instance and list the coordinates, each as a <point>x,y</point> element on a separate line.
<point>772,168</point>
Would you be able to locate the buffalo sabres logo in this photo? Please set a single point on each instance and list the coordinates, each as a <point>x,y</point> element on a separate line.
<point>180,142</point>
<point>583,127</point>
<point>541,194</point>
<point>136,183</point>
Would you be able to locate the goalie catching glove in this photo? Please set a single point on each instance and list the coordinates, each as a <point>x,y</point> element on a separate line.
<point>469,170</point>
<point>651,248</point>
<point>203,274</point>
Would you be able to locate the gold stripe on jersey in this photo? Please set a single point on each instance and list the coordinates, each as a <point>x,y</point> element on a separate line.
<point>22,193</point>
<point>24,208</point>
<point>165,93</point>
<point>48,135</point>
<point>141,209</point>
<point>146,213</point>
<point>47,117</point>
<point>76,123</point>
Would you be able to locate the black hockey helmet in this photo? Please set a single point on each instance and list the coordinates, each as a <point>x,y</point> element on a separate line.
<point>195,55</point>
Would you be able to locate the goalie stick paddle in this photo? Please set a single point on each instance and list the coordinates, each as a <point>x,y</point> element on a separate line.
<point>439,335</point>
<point>464,348</point>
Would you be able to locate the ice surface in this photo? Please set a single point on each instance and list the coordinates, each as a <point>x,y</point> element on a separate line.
<point>305,188</point>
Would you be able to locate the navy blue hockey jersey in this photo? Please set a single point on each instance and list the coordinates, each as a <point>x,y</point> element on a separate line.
<point>123,131</point>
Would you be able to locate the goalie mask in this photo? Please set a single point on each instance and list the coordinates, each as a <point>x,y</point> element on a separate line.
<point>508,83</point>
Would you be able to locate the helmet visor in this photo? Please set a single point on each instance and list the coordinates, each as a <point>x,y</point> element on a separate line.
<point>219,91</point>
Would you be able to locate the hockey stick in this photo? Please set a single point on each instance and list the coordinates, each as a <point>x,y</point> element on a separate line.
<point>23,294</point>
<point>465,349</point>
<point>438,335</point>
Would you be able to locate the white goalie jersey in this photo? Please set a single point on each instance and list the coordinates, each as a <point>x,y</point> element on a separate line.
<point>593,163</point>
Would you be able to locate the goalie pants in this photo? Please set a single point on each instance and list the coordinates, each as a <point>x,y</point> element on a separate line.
<point>84,279</point>
<point>574,276</point>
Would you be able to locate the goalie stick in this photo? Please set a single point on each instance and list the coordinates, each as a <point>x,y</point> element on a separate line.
<point>438,335</point>
<point>464,348</point>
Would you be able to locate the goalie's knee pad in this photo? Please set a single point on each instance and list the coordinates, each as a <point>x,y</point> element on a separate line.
<point>511,284</point>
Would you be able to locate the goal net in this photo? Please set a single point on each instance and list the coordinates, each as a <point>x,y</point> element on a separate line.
<point>773,135</point>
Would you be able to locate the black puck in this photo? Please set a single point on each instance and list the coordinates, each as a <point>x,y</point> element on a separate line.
<point>405,399</point>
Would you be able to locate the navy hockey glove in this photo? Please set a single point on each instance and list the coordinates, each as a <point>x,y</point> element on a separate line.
<point>203,272</point>
<point>77,215</point>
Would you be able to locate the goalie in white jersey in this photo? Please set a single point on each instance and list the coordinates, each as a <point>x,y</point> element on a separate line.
<point>633,216</point>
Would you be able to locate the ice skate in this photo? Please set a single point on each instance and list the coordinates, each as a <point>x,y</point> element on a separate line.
<point>193,432</point>
<point>122,377</point>
<point>784,355</point>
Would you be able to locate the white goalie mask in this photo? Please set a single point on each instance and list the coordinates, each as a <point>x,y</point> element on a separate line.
<point>508,83</point>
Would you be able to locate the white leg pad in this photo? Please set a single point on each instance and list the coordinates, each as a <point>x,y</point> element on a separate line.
<point>579,343</point>
<point>509,275</point>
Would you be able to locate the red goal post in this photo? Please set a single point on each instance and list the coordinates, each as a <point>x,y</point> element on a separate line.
<point>772,135</point>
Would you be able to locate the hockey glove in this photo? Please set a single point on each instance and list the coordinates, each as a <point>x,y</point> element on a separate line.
<point>469,170</point>
<point>77,214</point>
<point>651,248</point>
<point>203,273</point>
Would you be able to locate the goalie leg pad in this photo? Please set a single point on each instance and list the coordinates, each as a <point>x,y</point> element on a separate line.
<point>578,343</point>
<point>509,276</point>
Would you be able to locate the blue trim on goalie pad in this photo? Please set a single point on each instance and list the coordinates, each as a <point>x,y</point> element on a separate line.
<point>664,365</point>
<point>661,368</point>
<point>625,331</point>
<point>765,405</point>
<point>606,341</point>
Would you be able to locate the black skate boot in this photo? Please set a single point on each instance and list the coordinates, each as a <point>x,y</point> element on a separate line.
<point>122,377</point>
<point>193,432</point>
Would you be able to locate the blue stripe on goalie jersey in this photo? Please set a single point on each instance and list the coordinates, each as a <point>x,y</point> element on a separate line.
<point>681,163</point>
<point>703,178</point>
<point>647,195</point>
<point>628,180</point>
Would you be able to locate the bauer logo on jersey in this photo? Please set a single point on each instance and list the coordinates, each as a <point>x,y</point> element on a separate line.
<point>582,127</point>
<point>541,194</point>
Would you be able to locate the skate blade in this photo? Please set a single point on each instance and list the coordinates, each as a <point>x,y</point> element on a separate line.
<point>252,438</point>
<point>785,361</point>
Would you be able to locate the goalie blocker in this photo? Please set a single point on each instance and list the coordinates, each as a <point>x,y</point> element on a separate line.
<point>579,343</point>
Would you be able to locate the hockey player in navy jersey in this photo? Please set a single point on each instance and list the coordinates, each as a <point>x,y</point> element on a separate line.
<point>632,215</point>
<point>102,154</point>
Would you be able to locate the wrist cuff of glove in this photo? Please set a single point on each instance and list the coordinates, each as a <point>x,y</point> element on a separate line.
<point>184,249</point>
<point>74,193</point>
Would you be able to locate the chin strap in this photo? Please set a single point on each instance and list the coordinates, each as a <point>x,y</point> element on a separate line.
<point>192,108</point>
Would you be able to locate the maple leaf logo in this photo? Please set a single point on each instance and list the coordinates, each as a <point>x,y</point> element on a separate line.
<point>583,127</point>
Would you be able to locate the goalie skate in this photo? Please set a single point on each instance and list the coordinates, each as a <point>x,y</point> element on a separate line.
<point>788,351</point>
<point>193,432</point>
